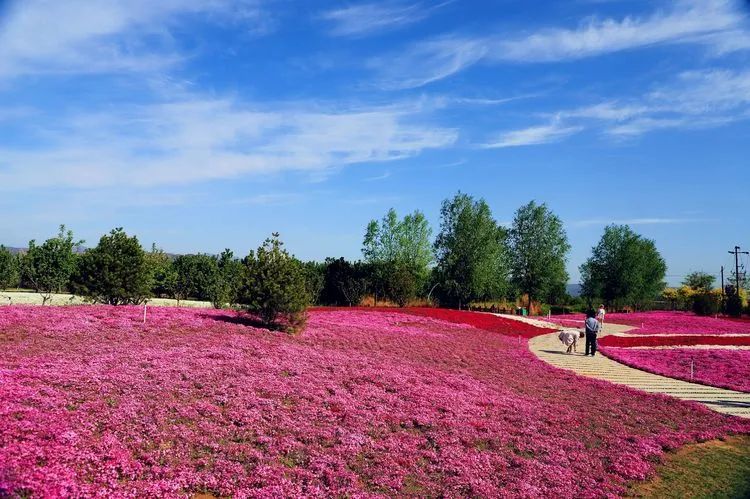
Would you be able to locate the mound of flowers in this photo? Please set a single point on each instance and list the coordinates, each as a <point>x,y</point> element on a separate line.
<point>93,402</point>
<point>684,323</point>
<point>658,322</point>
<point>673,340</point>
<point>721,367</point>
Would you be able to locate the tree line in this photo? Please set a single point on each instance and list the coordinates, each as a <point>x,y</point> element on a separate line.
<point>471,259</point>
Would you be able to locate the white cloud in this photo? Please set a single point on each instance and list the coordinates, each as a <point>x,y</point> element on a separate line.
<point>535,135</point>
<point>717,24</point>
<point>692,100</point>
<point>368,18</point>
<point>204,139</point>
<point>428,61</point>
<point>79,36</point>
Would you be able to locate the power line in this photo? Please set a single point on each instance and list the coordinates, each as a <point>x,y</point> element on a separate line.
<point>737,277</point>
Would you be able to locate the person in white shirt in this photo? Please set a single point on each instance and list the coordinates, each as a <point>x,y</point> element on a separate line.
<point>600,317</point>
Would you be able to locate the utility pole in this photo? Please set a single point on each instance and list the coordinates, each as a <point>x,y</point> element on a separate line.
<point>722,281</point>
<point>737,254</point>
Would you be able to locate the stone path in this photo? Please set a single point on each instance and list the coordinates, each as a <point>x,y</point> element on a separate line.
<point>549,349</point>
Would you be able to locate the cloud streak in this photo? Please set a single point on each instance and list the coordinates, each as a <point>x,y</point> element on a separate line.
<point>717,24</point>
<point>199,139</point>
<point>370,18</point>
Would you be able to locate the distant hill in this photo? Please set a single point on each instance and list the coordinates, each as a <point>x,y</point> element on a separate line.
<point>573,289</point>
<point>14,250</point>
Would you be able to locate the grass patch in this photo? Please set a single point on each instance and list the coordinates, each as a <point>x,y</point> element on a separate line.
<point>719,468</point>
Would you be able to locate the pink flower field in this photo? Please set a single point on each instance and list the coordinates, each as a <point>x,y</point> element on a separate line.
<point>724,368</point>
<point>665,323</point>
<point>363,404</point>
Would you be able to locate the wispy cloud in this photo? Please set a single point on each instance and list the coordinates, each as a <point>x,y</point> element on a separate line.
<point>369,18</point>
<point>199,139</point>
<point>692,100</point>
<point>535,135</point>
<point>78,36</point>
<point>717,24</point>
<point>382,176</point>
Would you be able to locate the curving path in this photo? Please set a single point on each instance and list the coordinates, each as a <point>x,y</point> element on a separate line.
<point>549,349</point>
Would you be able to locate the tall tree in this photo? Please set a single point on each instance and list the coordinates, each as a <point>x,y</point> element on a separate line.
<point>399,254</point>
<point>162,271</point>
<point>115,271</point>
<point>274,286</point>
<point>48,267</point>
<point>196,276</point>
<point>472,253</point>
<point>224,289</point>
<point>8,269</point>
<point>539,250</point>
<point>699,281</point>
<point>624,269</point>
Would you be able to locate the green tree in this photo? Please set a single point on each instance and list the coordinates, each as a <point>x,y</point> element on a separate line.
<point>9,274</point>
<point>162,272</point>
<point>274,286</point>
<point>401,246</point>
<point>196,276</point>
<point>699,281</point>
<point>48,267</point>
<point>116,271</point>
<point>315,273</point>
<point>472,252</point>
<point>344,283</point>
<point>624,269</point>
<point>539,250</point>
<point>224,289</point>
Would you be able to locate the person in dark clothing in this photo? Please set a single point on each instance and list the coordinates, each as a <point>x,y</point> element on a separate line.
<point>592,329</point>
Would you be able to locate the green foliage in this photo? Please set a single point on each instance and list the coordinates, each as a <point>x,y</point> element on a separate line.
<point>116,271</point>
<point>401,246</point>
<point>624,269</point>
<point>472,253</point>
<point>706,303</point>
<point>196,276</point>
<point>224,288</point>
<point>734,302</point>
<point>9,274</point>
<point>162,272</point>
<point>48,268</point>
<point>344,283</point>
<point>539,249</point>
<point>274,286</point>
<point>699,281</point>
<point>315,274</point>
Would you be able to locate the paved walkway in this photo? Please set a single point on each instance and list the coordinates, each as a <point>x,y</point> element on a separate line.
<point>548,348</point>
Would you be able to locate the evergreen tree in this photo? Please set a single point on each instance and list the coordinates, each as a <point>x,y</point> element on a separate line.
<point>115,271</point>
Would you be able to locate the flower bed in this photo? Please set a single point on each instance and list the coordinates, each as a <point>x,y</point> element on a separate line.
<point>663,341</point>
<point>685,323</point>
<point>724,368</point>
<point>678,323</point>
<point>94,402</point>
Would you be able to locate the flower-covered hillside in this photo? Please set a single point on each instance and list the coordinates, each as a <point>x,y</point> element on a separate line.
<point>92,401</point>
<point>722,367</point>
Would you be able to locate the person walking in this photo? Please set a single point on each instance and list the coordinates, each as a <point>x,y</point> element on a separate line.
<point>600,317</point>
<point>592,329</point>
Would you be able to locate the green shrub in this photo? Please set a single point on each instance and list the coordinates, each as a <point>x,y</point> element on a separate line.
<point>706,304</point>
<point>274,287</point>
<point>116,272</point>
<point>9,276</point>
<point>734,304</point>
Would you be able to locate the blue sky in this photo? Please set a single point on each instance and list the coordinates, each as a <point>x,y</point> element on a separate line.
<point>204,124</point>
